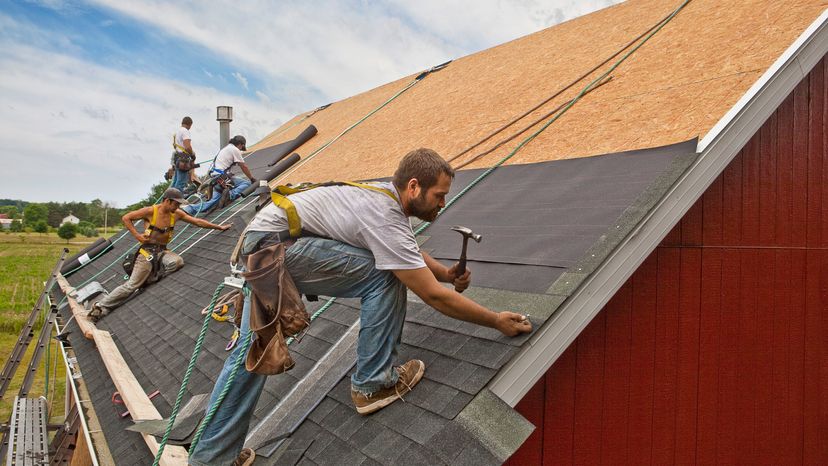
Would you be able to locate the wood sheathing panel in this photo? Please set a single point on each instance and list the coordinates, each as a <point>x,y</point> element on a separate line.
<point>676,87</point>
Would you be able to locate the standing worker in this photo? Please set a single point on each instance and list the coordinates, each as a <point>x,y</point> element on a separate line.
<point>356,241</point>
<point>223,177</point>
<point>153,260</point>
<point>183,158</point>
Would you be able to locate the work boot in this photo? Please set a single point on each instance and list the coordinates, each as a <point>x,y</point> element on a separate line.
<point>245,458</point>
<point>97,313</point>
<point>410,373</point>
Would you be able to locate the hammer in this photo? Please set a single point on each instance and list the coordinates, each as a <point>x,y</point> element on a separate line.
<point>467,233</point>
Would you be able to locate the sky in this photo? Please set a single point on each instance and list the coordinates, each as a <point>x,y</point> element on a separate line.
<point>91,91</point>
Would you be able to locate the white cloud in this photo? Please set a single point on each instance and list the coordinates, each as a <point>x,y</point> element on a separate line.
<point>263,97</point>
<point>346,47</point>
<point>88,131</point>
<point>241,79</point>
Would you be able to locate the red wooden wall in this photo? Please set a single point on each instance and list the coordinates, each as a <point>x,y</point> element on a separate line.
<point>716,349</point>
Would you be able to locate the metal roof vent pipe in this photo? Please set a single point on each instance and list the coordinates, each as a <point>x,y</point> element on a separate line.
<point>224,115</point>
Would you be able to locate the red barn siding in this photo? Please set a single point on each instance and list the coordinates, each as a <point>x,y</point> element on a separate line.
<point>716,349</point>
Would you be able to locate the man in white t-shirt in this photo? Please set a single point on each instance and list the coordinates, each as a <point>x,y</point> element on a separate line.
<point>183,157</point>
<point>356,242</point>
<point>221,172</point>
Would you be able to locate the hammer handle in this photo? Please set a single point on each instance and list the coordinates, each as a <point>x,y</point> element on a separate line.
<point>461,269</point>
<point>461,265</point>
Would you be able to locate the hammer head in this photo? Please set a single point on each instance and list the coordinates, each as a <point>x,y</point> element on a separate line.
<point>467,233</point>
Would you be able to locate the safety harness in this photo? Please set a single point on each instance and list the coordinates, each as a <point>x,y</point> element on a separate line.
<point>151,227</point>
<point>280,194</point>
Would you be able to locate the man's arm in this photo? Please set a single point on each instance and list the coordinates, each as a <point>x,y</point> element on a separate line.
<point>131,217</point>
<point>199,222</point>
<point>246,171</point>
<point>188,147</point>
<point>424,284</point>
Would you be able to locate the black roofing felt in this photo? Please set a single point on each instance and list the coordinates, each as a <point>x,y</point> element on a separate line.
<point>262,159</point>
<point>542,224</point>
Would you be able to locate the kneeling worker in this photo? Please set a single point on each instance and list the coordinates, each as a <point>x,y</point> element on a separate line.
<point>160,220</point>
<point>360,245</point>
<point>223,177</point>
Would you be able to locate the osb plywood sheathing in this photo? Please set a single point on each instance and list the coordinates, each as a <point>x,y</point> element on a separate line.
<point>674,88</point>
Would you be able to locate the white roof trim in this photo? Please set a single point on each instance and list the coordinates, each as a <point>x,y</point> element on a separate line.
<point>716,149</point>
<point>93,453</point>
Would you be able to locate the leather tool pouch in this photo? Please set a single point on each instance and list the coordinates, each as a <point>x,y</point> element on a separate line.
<point>276,311</point>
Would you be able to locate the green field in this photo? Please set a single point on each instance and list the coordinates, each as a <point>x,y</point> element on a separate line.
<point>26,259</point>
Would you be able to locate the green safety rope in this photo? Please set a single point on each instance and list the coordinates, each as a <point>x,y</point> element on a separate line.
<point>348,129</point>
<point>563,110</point>
<point>280,131</point>
<point>187,374</point>
<point>232,376</point>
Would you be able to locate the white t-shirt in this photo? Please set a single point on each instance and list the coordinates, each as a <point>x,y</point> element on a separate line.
<point>227,156</point>
<point>182,135</point>
<point>360,217</point>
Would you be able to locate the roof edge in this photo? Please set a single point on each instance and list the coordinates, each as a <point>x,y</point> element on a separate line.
<point>717,148</point>
<point>83,412</point>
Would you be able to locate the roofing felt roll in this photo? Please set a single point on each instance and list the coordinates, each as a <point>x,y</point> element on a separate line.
<point>273,172</point>
<point>303,137</point>
<point>86,255</point>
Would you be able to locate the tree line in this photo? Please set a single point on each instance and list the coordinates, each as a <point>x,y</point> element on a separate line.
<point>39,216</point>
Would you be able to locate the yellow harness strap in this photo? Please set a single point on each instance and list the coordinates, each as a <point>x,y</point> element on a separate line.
<point>177,147</point>
<point>280,198</point>
<point>148,230</point>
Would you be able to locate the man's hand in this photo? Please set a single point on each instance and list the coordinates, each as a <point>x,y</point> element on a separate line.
<point>224,227</point>
<point>253,180</point>
<point>462,282</point>
<point>512,324</point>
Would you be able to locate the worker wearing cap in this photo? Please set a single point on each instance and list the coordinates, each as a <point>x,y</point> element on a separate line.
<point>153,260</point>
<point>222,174</point>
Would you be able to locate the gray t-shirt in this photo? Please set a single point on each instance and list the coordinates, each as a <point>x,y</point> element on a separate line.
<point>360,217</point>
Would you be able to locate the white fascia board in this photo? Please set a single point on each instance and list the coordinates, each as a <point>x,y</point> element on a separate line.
<point>93,454</point>
<point>717,149</point>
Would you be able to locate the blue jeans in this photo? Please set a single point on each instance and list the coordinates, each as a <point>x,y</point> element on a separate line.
<point>180,180</point>
<point>239,183</point>
<point>318,266</point>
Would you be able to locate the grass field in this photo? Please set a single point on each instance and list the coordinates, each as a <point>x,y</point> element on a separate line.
<point>26,259</point>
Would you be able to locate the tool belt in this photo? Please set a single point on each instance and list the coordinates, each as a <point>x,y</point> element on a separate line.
<point>276,311</point>
<point>183,161</point>
<point>153,254</point>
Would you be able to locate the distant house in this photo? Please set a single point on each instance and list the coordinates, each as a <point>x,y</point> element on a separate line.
<point>70,219</point>
<point>5,222</point>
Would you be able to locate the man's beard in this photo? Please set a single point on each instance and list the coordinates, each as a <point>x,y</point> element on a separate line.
<point>417,208</point>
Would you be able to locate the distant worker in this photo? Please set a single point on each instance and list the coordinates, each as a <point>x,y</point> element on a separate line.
<point>183,158</point>
<point>223,177</point>
<point>153,261</point>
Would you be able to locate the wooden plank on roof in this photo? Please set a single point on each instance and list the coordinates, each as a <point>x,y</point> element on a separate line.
<point>135,398</point>
<point>86,325</point>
